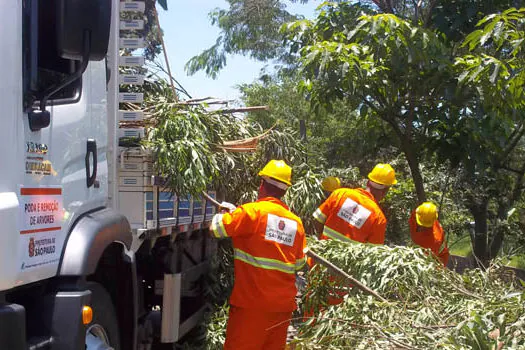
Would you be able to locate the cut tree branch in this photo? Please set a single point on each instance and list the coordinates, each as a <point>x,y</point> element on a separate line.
<point>161,37</point>
<point>337,271</point>
<point>201,99</point>
<point>243,109</point>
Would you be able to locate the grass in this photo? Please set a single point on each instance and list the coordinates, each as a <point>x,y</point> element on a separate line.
<point>517,261</point>
<point>460,247</point>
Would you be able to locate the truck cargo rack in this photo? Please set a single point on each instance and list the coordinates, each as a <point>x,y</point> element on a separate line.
<point>148,205</point>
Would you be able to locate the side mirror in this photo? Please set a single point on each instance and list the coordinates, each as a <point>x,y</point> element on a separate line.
<point>82,33</point>
<point>81,20</point>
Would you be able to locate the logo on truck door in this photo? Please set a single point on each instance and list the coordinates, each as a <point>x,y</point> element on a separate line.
<point>36,162</point>
<point>37,148</point>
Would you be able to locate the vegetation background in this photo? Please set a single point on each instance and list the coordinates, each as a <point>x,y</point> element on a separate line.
<point>433,87</point>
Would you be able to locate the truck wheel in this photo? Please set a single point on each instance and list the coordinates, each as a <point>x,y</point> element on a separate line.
<point>102,333</point>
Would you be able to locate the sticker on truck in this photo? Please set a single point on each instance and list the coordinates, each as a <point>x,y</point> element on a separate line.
<point>41,215</point>
<point>36,162</point>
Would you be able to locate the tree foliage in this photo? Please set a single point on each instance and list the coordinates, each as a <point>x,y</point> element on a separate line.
<point>484,135</point>
<point>186,140</point>
<point>247,27</point>
<point>456,19</point>
<point>380,65</point>
<point>467,109</point>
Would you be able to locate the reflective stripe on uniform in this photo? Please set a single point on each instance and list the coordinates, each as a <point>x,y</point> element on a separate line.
<point>217,227</point>
<point>328,232</point>
<point>264,263</point>
<point>299,263</point>
<point>319,216</point>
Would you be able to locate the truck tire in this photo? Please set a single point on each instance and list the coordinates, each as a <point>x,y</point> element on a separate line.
<point>103,332</point>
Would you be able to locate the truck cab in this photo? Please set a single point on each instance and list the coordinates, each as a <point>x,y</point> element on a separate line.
<point>89,259</point>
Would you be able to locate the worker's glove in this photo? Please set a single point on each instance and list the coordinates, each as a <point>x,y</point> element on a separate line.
<point>228,206</point>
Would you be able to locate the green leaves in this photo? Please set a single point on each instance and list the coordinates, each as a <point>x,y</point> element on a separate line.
<point>186,140</point>
<point>182,149</point>
<point>497,58</point>
<point>246,28</point>
<point>503,32</point>
<point>211,60</point>
<point>381,57</point>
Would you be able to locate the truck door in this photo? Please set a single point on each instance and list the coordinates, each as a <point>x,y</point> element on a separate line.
<point>65,167</point>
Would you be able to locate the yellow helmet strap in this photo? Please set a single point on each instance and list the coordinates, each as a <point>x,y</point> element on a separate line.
<point>376,185</point>
<point>275,183</point>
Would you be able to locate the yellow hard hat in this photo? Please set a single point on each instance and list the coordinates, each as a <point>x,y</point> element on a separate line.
<point>426,214</point>
<point>277,170</point>
<point>331,183</point>
<point>383,174</point>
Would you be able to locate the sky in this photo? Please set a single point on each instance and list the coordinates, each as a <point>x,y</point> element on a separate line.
<point>188,31</point>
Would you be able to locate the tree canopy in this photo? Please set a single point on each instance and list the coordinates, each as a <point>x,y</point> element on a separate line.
<point>439,82</point>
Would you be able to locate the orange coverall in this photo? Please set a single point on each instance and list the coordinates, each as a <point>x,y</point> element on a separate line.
<point>350,215</point>
<point>268,243</point>
<point>429,237</point>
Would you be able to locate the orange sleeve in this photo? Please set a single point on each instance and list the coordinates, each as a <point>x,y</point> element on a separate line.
<point>444,254</point>
<point>377,236</point>
<point>241,222</point>
<point>326,208</point>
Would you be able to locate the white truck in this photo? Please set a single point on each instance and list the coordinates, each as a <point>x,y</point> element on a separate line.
<point>94,254</point>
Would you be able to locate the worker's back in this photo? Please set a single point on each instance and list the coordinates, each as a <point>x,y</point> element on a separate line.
<point>268,240</point>
<point>352,214</point>
<point>432,238</point>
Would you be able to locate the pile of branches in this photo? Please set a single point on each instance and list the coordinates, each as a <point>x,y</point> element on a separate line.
<point>427,305</point>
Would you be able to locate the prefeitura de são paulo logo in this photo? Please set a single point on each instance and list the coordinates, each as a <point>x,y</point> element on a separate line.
<point>31,247</point>
<point>282,225</point>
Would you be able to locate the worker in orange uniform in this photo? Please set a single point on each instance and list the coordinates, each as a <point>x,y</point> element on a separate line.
<point>353,214</point>
<point>268,241</point>
<point>426,231</point>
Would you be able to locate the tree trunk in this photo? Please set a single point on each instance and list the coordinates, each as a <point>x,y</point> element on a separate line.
<point>413,163</point>
<point>497,242</point>
<point>480,213</point>
<point>405,138</point>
